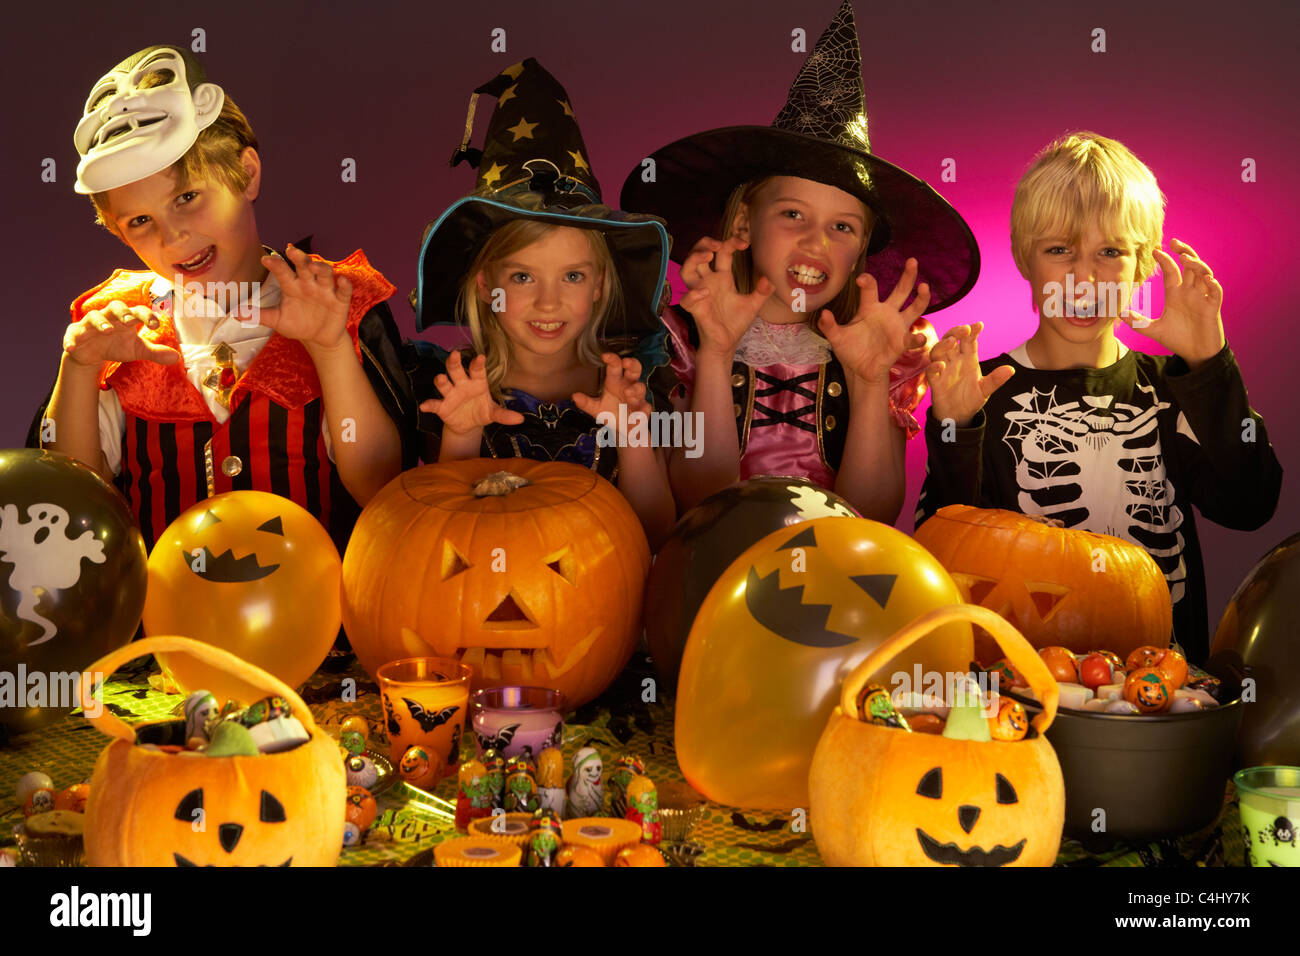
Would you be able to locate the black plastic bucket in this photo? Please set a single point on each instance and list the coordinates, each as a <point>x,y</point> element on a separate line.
<point>1149,776</point>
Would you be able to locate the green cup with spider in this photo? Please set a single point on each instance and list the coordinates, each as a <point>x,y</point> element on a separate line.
<point>1270,813</point>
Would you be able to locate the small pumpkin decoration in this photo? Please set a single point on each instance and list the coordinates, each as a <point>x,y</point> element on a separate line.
<point>1058,586</point>
<point>776,635</point>
<point>152,808</point>
<point>531,573</point>
<point>885,797</point>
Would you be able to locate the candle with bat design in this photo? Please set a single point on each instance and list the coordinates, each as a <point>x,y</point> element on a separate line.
<point>517,720</point>
<point>425,699</point>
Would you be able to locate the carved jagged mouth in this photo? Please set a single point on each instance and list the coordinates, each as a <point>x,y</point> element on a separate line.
<point>950,854</point>
<point>225,568</point>
<point>181,861</point>
<point>521,665</point>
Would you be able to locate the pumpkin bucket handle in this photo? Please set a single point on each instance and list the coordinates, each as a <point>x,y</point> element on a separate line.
<point>223,660</point>
<point>1019,652</point>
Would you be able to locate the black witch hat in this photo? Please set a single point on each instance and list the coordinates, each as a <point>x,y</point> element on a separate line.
<point>534,166</point>
<point>820,134</point>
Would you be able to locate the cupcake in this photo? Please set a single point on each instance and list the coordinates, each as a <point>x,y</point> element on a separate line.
<point>680,809</point>
<point>52,839</point>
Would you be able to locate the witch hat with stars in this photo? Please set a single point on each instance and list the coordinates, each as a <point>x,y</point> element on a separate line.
<point>820,134</point>
<point>534,165</point>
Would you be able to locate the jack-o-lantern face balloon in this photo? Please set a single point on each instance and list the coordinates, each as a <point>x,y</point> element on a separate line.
<point>250,572</point>
<point>776,636</point>
<point>530,573</point>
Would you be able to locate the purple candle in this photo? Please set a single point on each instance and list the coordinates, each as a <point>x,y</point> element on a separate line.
<point>515,720</point>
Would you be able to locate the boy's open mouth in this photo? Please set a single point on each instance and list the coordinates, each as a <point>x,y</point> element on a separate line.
<point>198,262</point>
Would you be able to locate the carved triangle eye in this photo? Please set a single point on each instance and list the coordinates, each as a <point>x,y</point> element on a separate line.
<point>563,563</point>
<point>453,562</point>
<point>191,806</point>
<point>975,588</point>
<point>272,810</point>
<point>1046,597</point>
<point>1006,792</point>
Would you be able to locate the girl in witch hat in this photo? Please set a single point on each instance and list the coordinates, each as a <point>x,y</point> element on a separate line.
<point>561,295</point>
<point>817,235</point>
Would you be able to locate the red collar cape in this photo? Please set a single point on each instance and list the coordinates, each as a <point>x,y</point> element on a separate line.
<point>282,370</point>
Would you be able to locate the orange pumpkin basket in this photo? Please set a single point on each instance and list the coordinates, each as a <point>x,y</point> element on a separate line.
<point>152,808</point>
<point>881,796</point>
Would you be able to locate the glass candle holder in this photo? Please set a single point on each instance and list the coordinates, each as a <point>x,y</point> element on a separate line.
<point>425,701</point>
<point>1270,813</point>
<point>514,720</point>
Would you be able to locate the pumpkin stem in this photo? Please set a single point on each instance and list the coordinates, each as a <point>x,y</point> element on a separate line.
<point>498,484</point>
<point>1043,519</point>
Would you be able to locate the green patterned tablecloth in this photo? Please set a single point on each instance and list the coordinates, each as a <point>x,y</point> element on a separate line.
<point>617,723</point>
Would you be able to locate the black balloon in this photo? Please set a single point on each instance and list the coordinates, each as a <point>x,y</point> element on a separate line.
<point>705,542</point>
<point>1259,637</point>
<point>72,581</point>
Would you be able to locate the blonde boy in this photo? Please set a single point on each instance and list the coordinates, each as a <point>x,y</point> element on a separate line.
<point>221,367</point>
<point>1075,426</point>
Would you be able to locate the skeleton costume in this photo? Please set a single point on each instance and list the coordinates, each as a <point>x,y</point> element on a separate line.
<point>789,393</point>
<point>1124,450</point>
<point>243,408</point>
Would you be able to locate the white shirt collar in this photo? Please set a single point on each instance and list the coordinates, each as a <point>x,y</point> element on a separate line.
<point>1021,354</point>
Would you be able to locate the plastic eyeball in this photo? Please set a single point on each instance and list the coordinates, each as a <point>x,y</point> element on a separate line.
<point>352,742</point>
<point>356,725</point>
<point>31,782</point>
<point>351,834</point>
<point>361,772</point>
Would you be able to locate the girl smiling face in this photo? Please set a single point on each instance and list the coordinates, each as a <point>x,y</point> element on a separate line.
<point>807,238</point>
<point>544,294</point>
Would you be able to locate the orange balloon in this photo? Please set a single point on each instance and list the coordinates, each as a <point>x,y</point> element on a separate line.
<point>775,638</point>
<point>249,572</point>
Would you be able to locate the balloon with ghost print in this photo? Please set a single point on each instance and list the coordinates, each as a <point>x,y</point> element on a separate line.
<point>72,581</point>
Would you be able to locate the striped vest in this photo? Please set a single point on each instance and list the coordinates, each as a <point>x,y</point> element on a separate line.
<point>175,454</point>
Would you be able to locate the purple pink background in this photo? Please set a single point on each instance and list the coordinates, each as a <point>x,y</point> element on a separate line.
<point>1192,88</point>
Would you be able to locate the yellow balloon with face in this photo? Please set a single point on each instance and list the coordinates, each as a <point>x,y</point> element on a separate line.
<point>775,638</point>
<point>249,572</point>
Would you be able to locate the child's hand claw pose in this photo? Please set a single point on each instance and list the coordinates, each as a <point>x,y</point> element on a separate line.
<point>112,334</point>
<point>957,389</point>
<point>722,314</point>
<point>622,387</point>
<point>872,341</point>
<point>1191,325</point>
<point>467,403</point>
<point>314,309</point>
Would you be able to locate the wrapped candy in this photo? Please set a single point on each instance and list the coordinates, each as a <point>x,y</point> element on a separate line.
<point>876,707</point>
<point>643,808</point>
<point>521,787</point>
<point>201,712</point>
<point>273,726</point>
<point>474,794</point>
<point>544,838</point>
<point>628,766</point>
<point>586,796</point>
<point>495,765</point>
<point>550,780</point>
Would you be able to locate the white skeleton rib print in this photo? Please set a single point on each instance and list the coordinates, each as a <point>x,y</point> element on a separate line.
<point>1098,465</point>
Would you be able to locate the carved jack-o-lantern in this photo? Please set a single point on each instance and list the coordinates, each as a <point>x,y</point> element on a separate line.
<point>881,796</point>
<point>1058,586</point>
<point>532,575</point>
<point>148,807</point>
<point>775,637</point>
<point>250,572</point>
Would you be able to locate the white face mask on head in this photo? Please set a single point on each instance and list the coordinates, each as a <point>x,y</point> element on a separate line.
<point>128,132</point>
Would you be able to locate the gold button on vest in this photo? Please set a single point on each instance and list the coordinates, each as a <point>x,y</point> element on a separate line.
<point>231,466</point>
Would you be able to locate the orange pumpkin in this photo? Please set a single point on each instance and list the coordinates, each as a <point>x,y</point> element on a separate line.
<point>881,796</point>
<point>152,808</point>
<point>1058,586</point>
<point>529,572</point>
